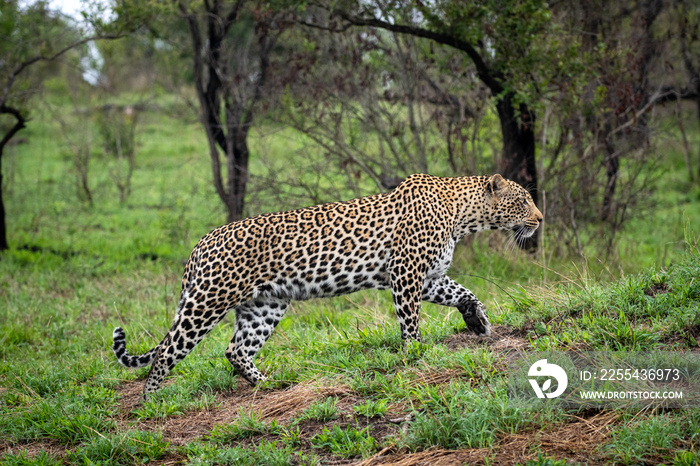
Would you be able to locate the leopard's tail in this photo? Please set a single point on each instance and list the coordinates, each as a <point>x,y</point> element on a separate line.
<point>123,356</point>
<point>119,336</point>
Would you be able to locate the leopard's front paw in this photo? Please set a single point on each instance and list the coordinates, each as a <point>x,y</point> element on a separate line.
<point>474,315</point>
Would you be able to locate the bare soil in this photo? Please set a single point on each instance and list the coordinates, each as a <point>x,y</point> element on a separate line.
<point>503,338</point>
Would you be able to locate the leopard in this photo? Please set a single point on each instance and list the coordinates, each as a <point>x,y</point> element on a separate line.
<point>402,240</point>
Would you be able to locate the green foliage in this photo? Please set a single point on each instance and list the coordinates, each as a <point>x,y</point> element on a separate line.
<point>393,387</point>
<point>292,437</point>
<point>22,459</point>
<point>635,441</point>
<point>268,453</point>
<point>479,364</point>
<point>283,376</point>
<point>527,52</point>
<point>320,410</point>
<point>158,409</point>
<point>121,448</point>
<point>30,31</point>
<point>456,416</point>
<point>372,408</point>
<point>16,335</point>
<point>346,442</point>
<point>685,458</point>
<point>69,417</point>
<point>175,401</point>
<point>248,424</point>
<point>545,461</point>
<point>642,312</point>
<point>116,126</point>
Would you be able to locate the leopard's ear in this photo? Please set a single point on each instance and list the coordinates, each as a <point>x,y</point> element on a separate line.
<point>496,185</point>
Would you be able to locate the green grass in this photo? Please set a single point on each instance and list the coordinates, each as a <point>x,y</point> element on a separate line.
<point>456,416</point>
<point>322,410</point>
<point>268,453</point>
<point>68,417</point>
<point>75,403</point>
<point>124,448</point>
<point>76,271</point>
<point>651,310</point>
<point>544,461</point>
<point>346,442</point>
<point>372,408</point>
<point>247,425</point>
<point>652,437</point>
<point>22,459</point>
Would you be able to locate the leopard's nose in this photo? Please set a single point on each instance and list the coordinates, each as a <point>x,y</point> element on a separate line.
<point>539,216</point>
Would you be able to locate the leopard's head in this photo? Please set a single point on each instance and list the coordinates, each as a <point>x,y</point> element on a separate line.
<point>512,207</point>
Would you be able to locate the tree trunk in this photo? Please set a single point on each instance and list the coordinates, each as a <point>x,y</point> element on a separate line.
<point>227,104</point>
<point>19,124</point>
<point>233,143</point>
<point>237,156</point>
<point>697,99</point>
<point>518,157</point>
<point>3,227</point>
<point>238,181</point>
<point>612,169</point>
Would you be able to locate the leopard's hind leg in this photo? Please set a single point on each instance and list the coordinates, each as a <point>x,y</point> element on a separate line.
<point>201,307</point>
<point>186,332</point>
<point>255,321</point>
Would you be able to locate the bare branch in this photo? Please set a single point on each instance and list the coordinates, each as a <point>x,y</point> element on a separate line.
<point>232,15</point>
<point>325,28</point>
<point>19,124</point>
<point>491,78</point>
<point>632,121</point>
<point>25,64</point>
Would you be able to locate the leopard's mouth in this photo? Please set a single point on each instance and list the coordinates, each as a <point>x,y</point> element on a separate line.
<point>524,230</point>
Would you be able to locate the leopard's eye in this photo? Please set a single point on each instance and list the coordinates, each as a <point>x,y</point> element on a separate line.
<point>526,203</point>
